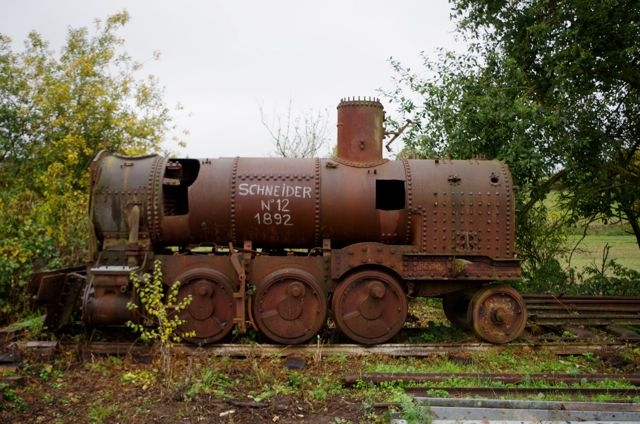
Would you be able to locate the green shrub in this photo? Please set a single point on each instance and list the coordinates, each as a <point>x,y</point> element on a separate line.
<point>160,314</point>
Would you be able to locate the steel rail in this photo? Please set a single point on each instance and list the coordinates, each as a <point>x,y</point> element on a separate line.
<point>586,310</point>
<point>454,410</point>
<point>377,378</point>
<point>271,350</point>
<point>573,392</point>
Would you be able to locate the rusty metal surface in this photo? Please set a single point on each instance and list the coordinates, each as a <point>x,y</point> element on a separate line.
<point>277,202</point>
<point>506,378</point>
<point>497,314</point>
<point>366,254</point>
<point>118,184</point>
<point>212,282</point>
<point>58,291</point>
<point>107,295</point>
<point>360,132</point>
<point>423,266</point>
<point>369,307</point>
<point>268,241</point>
<point>466,206</point>
<point>585,310</point>
<point>211,312</point>
<point>290,306</point>
<point>354,208</point>
<point>455,306</point>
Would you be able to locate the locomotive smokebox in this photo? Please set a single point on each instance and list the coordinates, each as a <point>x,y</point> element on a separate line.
<point>360,132</point>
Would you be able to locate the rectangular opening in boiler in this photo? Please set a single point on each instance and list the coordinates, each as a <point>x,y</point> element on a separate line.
<point>179,174</point>
<point>390,195</point>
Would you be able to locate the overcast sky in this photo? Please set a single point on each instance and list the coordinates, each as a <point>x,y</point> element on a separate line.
<point>225,60</point>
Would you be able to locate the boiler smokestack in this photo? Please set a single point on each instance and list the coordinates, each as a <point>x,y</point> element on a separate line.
<point>360,132</point>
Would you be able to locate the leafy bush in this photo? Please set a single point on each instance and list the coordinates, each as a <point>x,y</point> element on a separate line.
<point>541,239</point>
<point>547,277</point>
<point>57,111</point>
<point>160,314</point>
<point>609,278</point>
<point>37,232</point>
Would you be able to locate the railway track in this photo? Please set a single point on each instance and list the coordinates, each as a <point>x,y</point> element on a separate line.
<point>565,325</point>
<point>582,310</point>
<point>481,397</point>
<point>481,411</point>
<point>614,323</point>
<point>584,317</point>
<point>500,385</point>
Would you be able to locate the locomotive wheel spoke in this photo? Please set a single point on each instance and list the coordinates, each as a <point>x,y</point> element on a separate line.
<point>211,310</point>
<point>498,314</point>
<point>290,307</point>
<point>370,307</point>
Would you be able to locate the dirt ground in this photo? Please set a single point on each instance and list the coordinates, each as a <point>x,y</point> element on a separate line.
<point>64,386</point>
<point>106,389</point>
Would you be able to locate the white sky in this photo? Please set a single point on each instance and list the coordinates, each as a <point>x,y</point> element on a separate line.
<point>224,60</point>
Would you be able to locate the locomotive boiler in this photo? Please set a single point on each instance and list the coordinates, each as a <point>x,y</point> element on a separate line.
<point>284,244</point>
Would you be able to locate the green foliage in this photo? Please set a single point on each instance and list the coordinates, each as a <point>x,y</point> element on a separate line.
<point>10,399</point>
<point>551,89</point>
<point>541,239</point>
<point>159,308</point>
<point>608,278</point>
<point>160,313</point>
<point>56,112</point>
<point>412,411</point>
<point>206,382</point>
<point>441,333</point>
<point>144,379</point>
<point>100,413</point>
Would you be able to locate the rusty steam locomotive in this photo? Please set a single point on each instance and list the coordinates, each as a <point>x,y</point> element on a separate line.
<point>283,244</point>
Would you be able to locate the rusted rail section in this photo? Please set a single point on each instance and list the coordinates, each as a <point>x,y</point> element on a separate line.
<point>582,310</point>
<point>480,401</point>
<point>377,378</point>
<point>487,391</point>
<point>272,350</point>
<point>523,411</point>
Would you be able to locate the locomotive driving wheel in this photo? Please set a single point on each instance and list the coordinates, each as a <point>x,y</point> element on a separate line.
<point>289,306</point>
<point>370,307</point>
<point>210,313</point>
<point>498,314</point>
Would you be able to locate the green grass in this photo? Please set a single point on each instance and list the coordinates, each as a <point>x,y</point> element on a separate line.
<point>622,248</point>
<point>522,360</point>
<point>623,245</point>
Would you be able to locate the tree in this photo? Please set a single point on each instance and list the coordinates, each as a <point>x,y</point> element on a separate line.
<point>582,59</point>
<point>302,136</point>
<point>56,112</point>
<point>550,87</point>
